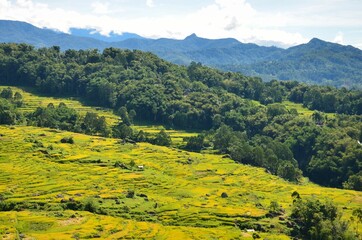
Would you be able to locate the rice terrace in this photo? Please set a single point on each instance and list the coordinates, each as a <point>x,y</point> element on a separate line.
<point>41,176</point>
<point>155,119</point>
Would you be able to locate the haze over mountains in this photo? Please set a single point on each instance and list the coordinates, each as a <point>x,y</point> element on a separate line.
<point>316,62</point>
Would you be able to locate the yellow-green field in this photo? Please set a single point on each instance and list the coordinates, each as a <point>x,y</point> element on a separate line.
<point>177,193</point>
<point>303,110</point>
<point>177,136</point>
<point>32,101</point>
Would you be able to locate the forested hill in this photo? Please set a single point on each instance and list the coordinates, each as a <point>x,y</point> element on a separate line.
<point>248,119</point>
<point>111,37</point>
<point>21,32</point>
<point>317,62</point>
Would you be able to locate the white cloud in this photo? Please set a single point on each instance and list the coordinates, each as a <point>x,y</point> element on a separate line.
<point>41,15</point>
<point>339,38</point>
<point>150,3</point>
<point>232,18</point>
<point>25,3</point>
<point>4,4</point>
<point>100,7</point>
<point>219,19</point>
<point>223,18</point>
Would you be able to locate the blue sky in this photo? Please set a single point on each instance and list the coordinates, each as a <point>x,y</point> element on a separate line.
<point>265,22</point>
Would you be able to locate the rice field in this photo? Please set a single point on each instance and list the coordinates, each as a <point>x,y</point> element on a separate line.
<point>176,194</point>
<point>303,111</point>
<point>141,191</point>
<point>33,100</point>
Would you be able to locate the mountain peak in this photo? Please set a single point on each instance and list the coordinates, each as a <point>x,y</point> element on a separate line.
<point>192,36</point>
<point>316,41</point>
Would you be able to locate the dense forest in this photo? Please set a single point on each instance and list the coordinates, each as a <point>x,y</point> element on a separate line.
<point>241,116</point>
<point>316,62</point>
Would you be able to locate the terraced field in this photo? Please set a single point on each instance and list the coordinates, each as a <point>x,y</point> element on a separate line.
<point>303,110</point>
<point>33,100</point>
<point>139,191</point>
<point>136,191</point>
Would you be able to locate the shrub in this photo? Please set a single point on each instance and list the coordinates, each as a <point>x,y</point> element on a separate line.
<point>162,139</point>
<point>130,194</point>
<point>69,140</point>
<point>7,206</point>
<point>224,195</point>
<point>90,205</point>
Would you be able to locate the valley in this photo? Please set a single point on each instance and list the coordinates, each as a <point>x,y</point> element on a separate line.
<point>41,176</point>
<point>122,144</point>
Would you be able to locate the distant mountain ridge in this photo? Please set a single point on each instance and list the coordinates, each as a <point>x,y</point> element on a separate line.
<point>316,62</point>
<point>21,32</point>
<point>112,37</point>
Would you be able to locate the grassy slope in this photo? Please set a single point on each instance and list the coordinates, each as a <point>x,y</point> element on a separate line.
<point>187,194</point>
<point>303,110</point>
<point>186,186</point>
<point>32,101</point>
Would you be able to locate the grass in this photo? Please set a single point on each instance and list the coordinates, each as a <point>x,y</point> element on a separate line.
<point>175,198</point>
<point>32,100</point>
<point>183,200</point>
<point>177,136</point>
<point>303,110</point>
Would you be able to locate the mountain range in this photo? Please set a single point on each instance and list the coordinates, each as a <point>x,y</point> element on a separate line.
<point>316,62</point>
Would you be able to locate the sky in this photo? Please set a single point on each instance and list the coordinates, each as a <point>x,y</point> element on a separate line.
<point>281,23</point>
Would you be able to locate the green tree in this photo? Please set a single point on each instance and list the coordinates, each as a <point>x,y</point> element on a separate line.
<point>162,138</point>
<point>18,99</point>
<point>318,220</point>
<point>90,122</point>
<point>289,172</point>
<point>132,114</point>
<point>7,93</point>
<point>222,138</point>
<point>354,182</point>
<point>276,109</point>
<point>195,143</point>
<point>122,131</point>
<point>8,113</point>
<point>318,117</point>
<point>241,151</point>
<point>124,116</point>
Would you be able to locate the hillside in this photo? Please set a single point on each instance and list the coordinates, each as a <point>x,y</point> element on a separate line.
<point>125,144</point>
<point>317,62</point>
<point>234,114</point>
<point>33,100</point>
<point>42,176</point>
<point>20,32</point>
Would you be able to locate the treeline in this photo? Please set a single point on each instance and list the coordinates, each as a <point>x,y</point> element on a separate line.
<point>329,154</point>
<point>68,119</point>
<point>261,131</point>
<point>115,78</point>
<point>58,117</point>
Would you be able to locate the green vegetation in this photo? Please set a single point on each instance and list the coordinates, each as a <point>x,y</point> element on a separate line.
<point>317,62</point>
<point>32,102</point>
<point>141,87</point>
<point>291,130</point>
<point>50,187</point>
<point>317,220</point>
